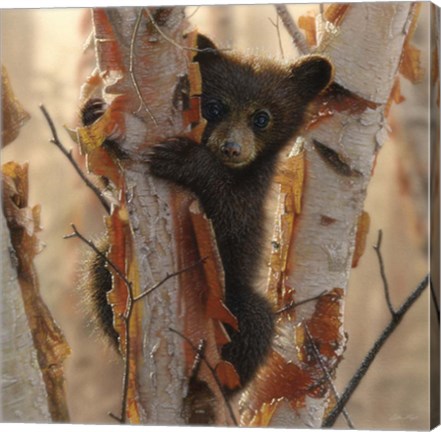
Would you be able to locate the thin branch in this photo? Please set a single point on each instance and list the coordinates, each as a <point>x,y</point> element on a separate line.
<point>131,299</point>
<point>377,249</point>
<point>434,299</point>
<point>132,67</point>
<point>126,317</point>
<point>89,41</point>
<point>370,357</point>
<point>325,370</point>
<point>127,347</point>
<point>115,417</point>
<point>292,29</point>
<point>174,43</point>
<point>194,12</point>
<point>294,304</point>
<point>68,153</point>
<point>277,26</point>
<point>197,350</point>
<point>167,277</point>
<point>91,244</point>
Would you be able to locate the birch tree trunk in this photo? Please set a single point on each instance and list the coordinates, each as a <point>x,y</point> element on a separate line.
<point>32,347</point>
<point>148,79</point>
<point>23,395</point>
<point>365,43</point>
<point>146,74</point>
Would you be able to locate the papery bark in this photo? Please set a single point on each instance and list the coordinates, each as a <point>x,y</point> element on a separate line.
<point>150,81</point>
<point>365,43</point>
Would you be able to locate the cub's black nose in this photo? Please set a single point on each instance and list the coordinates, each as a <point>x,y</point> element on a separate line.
<point>231,149</point>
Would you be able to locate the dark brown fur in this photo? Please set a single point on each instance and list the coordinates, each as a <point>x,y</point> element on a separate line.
<point>97,282</point>
<point>230,172</point>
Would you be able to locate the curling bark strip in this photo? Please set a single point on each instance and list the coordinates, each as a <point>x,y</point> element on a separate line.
<point>150,83</point>
<point>365,49</point>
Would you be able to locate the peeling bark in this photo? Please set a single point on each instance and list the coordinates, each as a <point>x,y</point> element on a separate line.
<point>23,394</point>
<point>33,348</point>
<point>142,67</point>
<point>145,72</point>
<point>365,43</point>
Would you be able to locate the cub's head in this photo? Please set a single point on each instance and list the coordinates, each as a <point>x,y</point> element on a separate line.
<point>254,107</point>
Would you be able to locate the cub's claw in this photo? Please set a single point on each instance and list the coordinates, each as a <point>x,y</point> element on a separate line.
<point>167,159</point>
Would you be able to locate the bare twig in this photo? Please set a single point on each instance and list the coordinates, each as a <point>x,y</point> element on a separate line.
<point>434,299</point>
<point>131,299</point>
<point>377,249</point>
<point>292,29</point>
<point>194,12</point>
<point>132,68</point>
<point>91,244</point>
<point>294,304</point>
<point>167,277</point>
<point>325,370</point>
<point>370,356</point>
<point>68,153</point>
<point>174,43</point>
<point>126,317</point>
<point>277,26</point>
<point>198,351</point>
<point>115,417</point>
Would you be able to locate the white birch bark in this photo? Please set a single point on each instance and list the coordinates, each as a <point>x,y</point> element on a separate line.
<point>366,51</point>
<point>160,363</point>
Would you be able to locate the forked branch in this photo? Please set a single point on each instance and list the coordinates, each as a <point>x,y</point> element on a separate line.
<point>131,300</point>
<point>68,153</point>
<point>377,249</point>
<point>370,356</point>
<point>198,350</point>
<point>326,373</point>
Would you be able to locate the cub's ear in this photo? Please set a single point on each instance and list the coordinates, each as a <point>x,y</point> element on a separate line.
<point>203,43</point>
<point>312,74</point>
<point>207,49</point>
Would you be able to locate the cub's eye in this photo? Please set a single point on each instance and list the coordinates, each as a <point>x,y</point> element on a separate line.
<point>261,119</point>
<point>213,110</point>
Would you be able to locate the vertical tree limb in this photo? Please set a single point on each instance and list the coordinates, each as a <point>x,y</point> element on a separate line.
<point>297,36</point>
<point>33,348</point>
<point>150,82</point>
<point>365,43</point>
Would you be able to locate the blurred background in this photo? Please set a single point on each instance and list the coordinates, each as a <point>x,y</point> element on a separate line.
<point>45,54</point>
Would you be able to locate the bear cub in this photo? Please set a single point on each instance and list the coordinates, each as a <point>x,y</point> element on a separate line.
<point>253,109</point>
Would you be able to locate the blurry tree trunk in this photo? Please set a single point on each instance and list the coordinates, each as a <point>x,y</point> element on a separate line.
<point>365,43</point>
<point>23,394</point>
<point>219,20</point>
<point>32,348</point>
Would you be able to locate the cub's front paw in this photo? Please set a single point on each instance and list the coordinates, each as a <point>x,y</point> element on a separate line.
<point>172,159</point>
